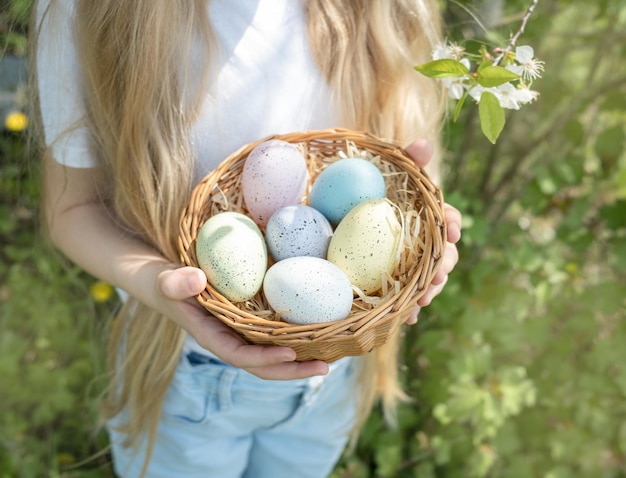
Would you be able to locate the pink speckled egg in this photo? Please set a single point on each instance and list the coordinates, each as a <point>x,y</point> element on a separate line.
<point>274,175</point>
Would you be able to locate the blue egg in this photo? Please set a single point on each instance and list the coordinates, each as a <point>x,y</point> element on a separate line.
<point>343,185</point>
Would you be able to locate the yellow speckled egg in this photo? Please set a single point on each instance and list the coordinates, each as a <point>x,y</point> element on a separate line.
<point>232,253</point>
<point>366,243</point>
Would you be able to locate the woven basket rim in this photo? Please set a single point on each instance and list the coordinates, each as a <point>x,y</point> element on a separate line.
<point>362,330</point>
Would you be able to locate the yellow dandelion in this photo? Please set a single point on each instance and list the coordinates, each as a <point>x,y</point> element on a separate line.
<point>101,291</point>
<point>65,459</point>
<point>16,121</point>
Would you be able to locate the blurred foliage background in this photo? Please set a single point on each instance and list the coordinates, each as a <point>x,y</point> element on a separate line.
<point>515,369</point>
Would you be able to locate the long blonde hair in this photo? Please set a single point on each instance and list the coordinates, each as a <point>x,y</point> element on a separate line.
<point>131,53</point>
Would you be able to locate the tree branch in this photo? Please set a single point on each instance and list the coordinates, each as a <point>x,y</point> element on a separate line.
<point>556,126</point>
<point>515,37</point>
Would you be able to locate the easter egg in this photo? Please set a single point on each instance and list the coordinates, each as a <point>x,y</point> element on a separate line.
<point>344,184</point>
<point>274,175</point>
<point>231,251</point>
<point>308,290</point>
<point>366,244</point>
<point>297,230</point>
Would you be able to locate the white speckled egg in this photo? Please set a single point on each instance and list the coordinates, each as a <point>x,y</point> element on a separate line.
<point>308,290</point>
<point>232,253</point>
<point>297,230</point>
<point>344,184</point>
<point>367,244</point>
<point>274,175</point>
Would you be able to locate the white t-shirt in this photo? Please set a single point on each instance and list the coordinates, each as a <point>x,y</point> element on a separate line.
<point>266,83</point>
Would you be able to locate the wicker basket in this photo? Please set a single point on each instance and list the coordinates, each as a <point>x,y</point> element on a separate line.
<point>372,320</point>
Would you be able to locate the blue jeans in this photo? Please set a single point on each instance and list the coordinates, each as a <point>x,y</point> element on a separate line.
<point>219,421</point>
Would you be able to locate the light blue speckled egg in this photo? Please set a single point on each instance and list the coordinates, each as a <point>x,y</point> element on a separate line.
<point>232,253</point>
<point>308,290</point>
<point>344,184</point>
<point>297,230</point>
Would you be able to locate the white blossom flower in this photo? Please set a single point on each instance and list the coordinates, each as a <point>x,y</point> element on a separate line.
<point>448,50</point>
<point>508,95</point>
<point>525,95</point>
<point>477,91</point>
<point>467,81</point>
<point>528,67</point>
<point>455,87</point>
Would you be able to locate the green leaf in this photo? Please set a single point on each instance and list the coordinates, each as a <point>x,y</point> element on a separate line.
<point>443,69</point>
<point>459,106</point>
<point>491,116</point>
<point>388,455</point>
<point>491,76</point>
<point>617,253</point>
<point>483,65</point>
<point>610,145</point>
<point>614,214</point>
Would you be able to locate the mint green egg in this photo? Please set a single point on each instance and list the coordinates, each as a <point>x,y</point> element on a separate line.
<point>231,251</point>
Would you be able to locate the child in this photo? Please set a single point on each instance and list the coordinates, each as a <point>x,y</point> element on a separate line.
<point>138,100</point>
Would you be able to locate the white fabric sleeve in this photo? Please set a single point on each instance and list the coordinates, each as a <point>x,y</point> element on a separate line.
<point>60,100</point>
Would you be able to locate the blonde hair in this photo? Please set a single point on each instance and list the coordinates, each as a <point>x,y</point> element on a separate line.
<point>366,49</point>
<point>131,53</point>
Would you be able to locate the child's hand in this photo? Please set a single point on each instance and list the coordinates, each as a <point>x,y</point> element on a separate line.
<point>178,288</point>
<point>421,152</point>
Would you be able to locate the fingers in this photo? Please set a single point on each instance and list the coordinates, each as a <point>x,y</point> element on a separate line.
<point>453,220</point>
<point>449,261</point>
<point>291,370</point>
<point>412,320</point>
<point>432,292</point>
<point>273,362</point>
<point>181,283</point>
<point>420,151</point>
<point>267,362</point>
